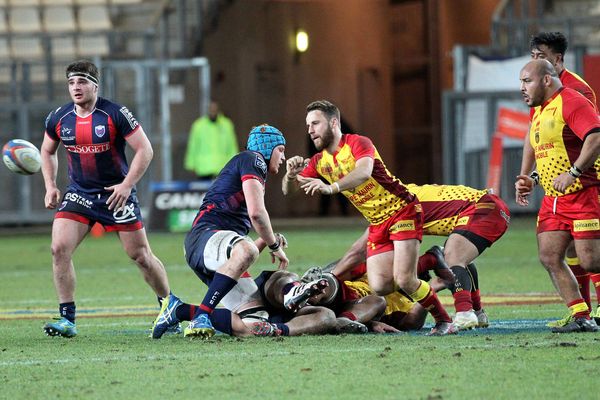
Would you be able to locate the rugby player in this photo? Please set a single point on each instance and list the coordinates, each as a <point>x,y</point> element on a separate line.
<point>351,165</point>
<point>94,132</point>
<point>552,46</point>
<point>564,144</point>
<point>218,248</point>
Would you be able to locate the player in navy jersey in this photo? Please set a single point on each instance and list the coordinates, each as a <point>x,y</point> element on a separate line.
<point>217,248</point>
<point>94,132</point>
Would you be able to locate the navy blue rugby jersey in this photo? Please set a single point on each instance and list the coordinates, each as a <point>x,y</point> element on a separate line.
<point>224,205</point>
<point>95,144</point>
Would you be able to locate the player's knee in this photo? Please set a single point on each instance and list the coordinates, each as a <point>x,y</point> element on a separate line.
<point>550,261</point>
<point>245,254</point>
<point>142,256</point>
<point>326,318</point>
<point>60,251</point>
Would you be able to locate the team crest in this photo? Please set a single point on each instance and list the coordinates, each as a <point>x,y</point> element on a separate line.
<point>537,136</point>
<point>100,130</point>
<point>260,164</point>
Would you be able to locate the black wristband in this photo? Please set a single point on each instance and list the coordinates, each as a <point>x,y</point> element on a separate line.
<point>275,246</point>
<point>536,177</point>
<point>575,172</point>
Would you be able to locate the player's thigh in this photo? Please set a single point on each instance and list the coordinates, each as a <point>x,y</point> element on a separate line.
<point>67,234</point>
<point>458,250</point>
<point>406,253</point>
<point>380,270</point>
<point>588,252</point>
<point>135,243</point>
<point>552,246</point>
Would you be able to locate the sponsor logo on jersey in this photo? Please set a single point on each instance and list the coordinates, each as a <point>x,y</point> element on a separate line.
<point>100,130</point>
<point>129,117</point>
<point>403,226</point>
<point>65,134</point>
<point>584,225</point>
<point>260,164</point>
<point>88,148</point>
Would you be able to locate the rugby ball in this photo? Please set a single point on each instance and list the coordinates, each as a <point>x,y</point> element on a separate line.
<point>21,157</point>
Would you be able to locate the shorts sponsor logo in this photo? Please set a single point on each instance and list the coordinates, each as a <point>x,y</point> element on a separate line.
<point>584,225</point>
<point>77,199</point>
<point>403,226</point>
<point>125,215</point>
<point>462,221</point>
<point>88,148</point>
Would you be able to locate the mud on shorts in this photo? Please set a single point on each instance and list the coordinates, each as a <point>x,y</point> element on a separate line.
<point>91,208</point>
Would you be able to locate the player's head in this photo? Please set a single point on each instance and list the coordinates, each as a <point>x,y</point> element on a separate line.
<point>265,139</point>
<point>82,78</point>
<point>322,121</point>
<point>550,46</point>
<point>539,81</point>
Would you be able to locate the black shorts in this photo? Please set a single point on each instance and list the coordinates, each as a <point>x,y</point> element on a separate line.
<point>91,208</point>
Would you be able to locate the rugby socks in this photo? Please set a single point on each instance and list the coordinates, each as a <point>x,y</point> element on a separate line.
<point>427,297</point>
<point>67,310</point>
<point>349,315</point>
<point>425,263</point>
<point>186,312</point>
<point>462,289</point>
<point>583,279</point>
<point>579,309</point>
<point>475,293</point>
<point>283,328</point>
<point>221,320</point>
<point>596,281</point>
<point>219,287</point>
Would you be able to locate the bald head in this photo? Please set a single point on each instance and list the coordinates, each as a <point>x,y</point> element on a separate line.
<point>539,81</point>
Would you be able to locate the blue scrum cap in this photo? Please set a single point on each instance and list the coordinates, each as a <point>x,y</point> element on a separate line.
<point>263,139</point>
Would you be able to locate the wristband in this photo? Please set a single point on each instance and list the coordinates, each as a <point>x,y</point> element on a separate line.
<point>536,178</point>
<point>275,246</point>
<point>575,172</point>
<point>336,186</point>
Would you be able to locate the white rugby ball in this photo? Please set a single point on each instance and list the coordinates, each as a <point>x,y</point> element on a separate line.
<point>21,157</point>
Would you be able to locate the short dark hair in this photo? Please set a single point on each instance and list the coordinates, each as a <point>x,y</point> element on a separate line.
<point>85,67</point>
<point>555,41</point>
<point>326,107</point>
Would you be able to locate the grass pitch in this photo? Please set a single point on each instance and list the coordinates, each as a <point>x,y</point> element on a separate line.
<point>112,357</point>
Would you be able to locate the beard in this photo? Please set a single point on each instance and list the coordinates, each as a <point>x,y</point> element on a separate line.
<point>325,140</point>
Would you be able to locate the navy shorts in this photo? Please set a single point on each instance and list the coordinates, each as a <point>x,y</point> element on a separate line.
<point>91,208</point>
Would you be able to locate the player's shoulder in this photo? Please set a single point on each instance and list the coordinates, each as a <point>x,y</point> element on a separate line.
<point>573,99</point>
<point>116,111</point>
<point>58,113</point>
<point>252,159</point>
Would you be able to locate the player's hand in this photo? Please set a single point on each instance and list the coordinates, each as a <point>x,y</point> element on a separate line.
<point>281,240</point>
<point>118,198</point>
<point>52,198</point>
<point>382,327</point>
<point>280,256</point>
<point>523,188</point>
<point>562,182</point>
<point>313,185</point>
<point>294,166</point>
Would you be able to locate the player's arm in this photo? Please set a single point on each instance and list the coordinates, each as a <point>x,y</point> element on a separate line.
<point>361,173</point>
<point>143,153</point>
<point>355,255</point>
<point>293,166</point>
<point>49,171</point>
<point>525,183</point>
<point>259,217</point>
<point>587,157</point>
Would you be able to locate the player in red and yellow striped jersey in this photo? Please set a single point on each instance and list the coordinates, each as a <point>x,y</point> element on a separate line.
<point>565,144</point>
<point>352,166</point>
<point>552,46</point>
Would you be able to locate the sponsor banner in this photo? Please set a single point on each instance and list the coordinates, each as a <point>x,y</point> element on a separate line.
<point>175,204</point>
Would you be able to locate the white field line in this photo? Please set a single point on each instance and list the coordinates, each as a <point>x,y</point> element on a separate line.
<point>237,354</point>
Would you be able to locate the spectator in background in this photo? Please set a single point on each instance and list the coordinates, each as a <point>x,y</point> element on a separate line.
<point>212,142</point>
